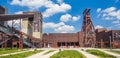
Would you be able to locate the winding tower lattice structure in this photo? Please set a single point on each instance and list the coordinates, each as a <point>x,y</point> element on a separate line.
<point>88,30</point>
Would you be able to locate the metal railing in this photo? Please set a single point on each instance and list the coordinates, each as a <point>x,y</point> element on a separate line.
<point>28,44</point>
<point>4,41</point>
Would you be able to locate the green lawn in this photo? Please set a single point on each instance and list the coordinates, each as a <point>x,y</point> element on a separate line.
<point>49,52</point>
<point>68,54</point>
<point>22,55</point>
<point>117,52</point>
<point>8,50</point>
<point>100,54</point>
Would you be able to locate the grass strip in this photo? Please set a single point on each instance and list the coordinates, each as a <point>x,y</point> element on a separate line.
<point>22,55</point>
<point>49,52</point>
<point>68,54</point>
<point>100,54</point>
<point>8,50</point>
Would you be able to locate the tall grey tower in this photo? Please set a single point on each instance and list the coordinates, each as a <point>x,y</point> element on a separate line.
<point>3,10</point>
<point>33,25</point>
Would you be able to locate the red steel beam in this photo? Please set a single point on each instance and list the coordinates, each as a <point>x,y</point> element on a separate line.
<point>7,17</point>
<point>88,30</point>
<point>20,41</point>
<point>4,45</point>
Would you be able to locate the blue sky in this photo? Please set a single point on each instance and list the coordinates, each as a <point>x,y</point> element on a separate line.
<point>65,16</point>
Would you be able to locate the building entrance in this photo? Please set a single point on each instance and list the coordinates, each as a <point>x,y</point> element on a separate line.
<point>68,44</point>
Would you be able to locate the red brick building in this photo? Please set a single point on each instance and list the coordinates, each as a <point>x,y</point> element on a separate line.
<point>107,38</point>
<point>104,39</point>
<point>64,40</point>
<point>87,37</point>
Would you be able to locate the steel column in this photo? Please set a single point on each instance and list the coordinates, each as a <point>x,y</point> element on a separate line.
<point>20,41</point>
<point>88,30</point>
<point>4,45</point>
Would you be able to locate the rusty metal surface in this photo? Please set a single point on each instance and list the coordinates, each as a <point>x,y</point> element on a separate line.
<point>88,30</point>
<point>7,17</point>
<point>103,38</point>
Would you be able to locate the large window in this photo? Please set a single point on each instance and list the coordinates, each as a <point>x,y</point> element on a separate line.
<point>116,36</point>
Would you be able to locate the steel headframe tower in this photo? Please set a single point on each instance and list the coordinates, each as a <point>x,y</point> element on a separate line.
<point>88,30</point>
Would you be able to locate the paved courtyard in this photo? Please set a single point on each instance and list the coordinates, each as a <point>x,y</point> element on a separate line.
<point>40,55</point>
<point>82,50</point>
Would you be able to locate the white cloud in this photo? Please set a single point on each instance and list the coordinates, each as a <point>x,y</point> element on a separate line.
<point>111,9</point>
<point>116,26</point>
<point>9,23</point>
<point>65,18</point>
<point>75,18</point>
<point>51,7</point>
<point>98,26</point>
<point>52,25</point>
<point>32,4</point>
<point>65,29</point>
<point>55,8</point>
<point>58,27</point>
<point>16,23</point>
<point>104,15</point>
<point>19,12</point>
<point>116,22</point>
<point>99,10</point>
<point>60,1</point>
<point>111,13</point>
<point>108,18</point>
<point>68,17</point>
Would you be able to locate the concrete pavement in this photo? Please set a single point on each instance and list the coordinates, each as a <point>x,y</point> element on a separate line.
<point>87,54</point>
<point>41,55</point>
<point>110,53</point>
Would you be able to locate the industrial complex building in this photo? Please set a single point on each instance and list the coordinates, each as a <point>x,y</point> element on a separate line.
<point>31,36</point>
